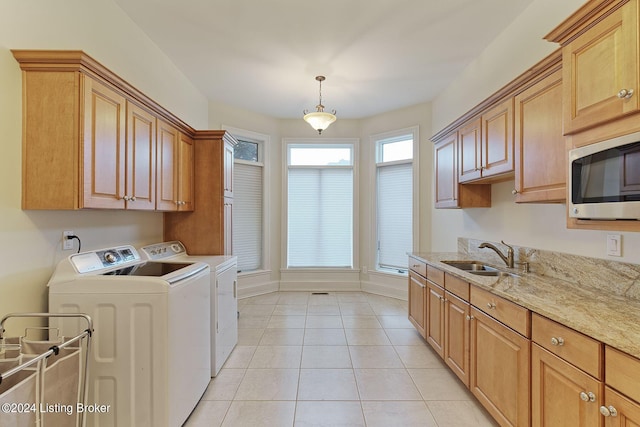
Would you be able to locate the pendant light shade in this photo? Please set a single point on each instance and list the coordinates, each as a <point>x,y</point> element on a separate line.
<point>319,119</point>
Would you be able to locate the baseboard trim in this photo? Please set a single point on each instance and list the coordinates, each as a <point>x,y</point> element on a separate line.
<point>320,286</point>
<point>385,291</point>
<point>257,289</point>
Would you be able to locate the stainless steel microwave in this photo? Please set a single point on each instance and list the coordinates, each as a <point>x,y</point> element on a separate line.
<point>604,179</point>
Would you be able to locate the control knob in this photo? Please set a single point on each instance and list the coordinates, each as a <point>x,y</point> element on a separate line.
<point>110,257</point>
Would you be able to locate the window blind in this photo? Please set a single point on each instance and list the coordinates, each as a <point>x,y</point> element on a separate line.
<point>395,214</point>
<point>247,216</point>
<point>320,217</point>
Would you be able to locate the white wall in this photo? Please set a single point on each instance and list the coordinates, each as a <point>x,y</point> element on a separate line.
<point>31,240</point>
<point>540,226</point>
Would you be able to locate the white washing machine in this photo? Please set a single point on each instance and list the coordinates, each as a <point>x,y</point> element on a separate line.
<point>224,295</point>
<point>150,356</point>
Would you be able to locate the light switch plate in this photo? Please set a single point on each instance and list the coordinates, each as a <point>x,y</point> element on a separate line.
<point>614,244</point>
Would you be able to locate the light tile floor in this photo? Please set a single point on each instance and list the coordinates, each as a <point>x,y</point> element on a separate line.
<point>342,359</point>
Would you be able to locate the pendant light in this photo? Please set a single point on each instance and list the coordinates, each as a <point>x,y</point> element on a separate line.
<point>320,120</point>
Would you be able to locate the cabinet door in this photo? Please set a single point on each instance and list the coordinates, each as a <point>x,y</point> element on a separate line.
<point>500,370</point>
<point>497,140</point>
<point>561,394</point>
<point>620,411</point>
<point>141,158</point>
<point>435,317</point>
<point>539,144</point>
<point>104,147</point>
<point>469,155</point>
<point>597,65</point>
<point>167,167</point>
<point>185,173</point>
<point>446,172</point>
<point>456,343</point>
<point>228,169</point>
<point>417,296</point>
<point>228,226</point>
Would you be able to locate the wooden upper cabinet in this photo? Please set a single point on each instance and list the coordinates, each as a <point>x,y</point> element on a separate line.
<point>449,192</point>
<point>600,63</point>
<point>104,145</point>
<point>91,140</point>
<point>167,162</point>
<point>485,144</point>
<point>497,140</point>
<point>185,173</point>
<point>141,158</point>
<point>470,151</point>
<point>175,169</point>
<point>208,229</point>
<point>540,170</point>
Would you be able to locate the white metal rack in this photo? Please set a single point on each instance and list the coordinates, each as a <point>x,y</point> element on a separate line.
<point>45,383</point>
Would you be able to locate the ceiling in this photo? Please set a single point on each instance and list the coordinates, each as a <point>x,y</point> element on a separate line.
<point>377,55</point>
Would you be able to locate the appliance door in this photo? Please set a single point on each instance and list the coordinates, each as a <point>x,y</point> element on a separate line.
<point>189,351</point>
<point>605,181</point>
<point>171,272</point>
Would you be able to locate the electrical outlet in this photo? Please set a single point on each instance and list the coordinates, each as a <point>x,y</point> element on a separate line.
<point>364,269</point>
<point>614,244</point>
<point>67,244</point>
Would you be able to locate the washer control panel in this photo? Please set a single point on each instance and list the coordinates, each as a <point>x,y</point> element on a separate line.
<point>104,258</point>
<point>164,250</point>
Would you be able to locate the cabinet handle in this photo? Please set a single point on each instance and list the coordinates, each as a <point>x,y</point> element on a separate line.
<point>608,411</point>
<point>235,287</point>
<point>491,305</point>
<point>587,397</point>
<point>557,341</point>
<point>625,93</point>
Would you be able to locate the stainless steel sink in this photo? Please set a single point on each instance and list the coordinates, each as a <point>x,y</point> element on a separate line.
<point>479,268</point>
<point>470,265</point>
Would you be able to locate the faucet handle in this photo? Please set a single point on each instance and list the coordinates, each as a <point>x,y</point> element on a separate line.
<point>508,246</point>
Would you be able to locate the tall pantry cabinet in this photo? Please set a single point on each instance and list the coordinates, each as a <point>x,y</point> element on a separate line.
<point>208,229</point>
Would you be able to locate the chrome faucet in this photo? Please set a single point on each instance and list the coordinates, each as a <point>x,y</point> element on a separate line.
<point>507,259</point>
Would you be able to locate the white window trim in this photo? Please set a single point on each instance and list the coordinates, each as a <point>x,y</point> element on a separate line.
<point>263,160</point>
<point>355,142</point>
<point>373,231</point>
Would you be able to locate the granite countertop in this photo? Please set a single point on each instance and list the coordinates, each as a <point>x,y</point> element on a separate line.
<point>606,317</point>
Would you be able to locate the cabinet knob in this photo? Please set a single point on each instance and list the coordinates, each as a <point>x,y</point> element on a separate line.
<point>132,199</point>
<point>491,305</point>
<point>587,396</point>
<point>514,191</point>
<point>625,93</point>
<point>608,411</point>
<point>470,317</point>
<point>557,341</point>
<point>126,198</point>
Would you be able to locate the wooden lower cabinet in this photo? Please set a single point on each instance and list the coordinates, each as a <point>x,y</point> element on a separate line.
<point>561,394</point>
<point>499,374</point>
<point>417,289</point>
<point>435,317</point>
<point>619,411</point>
<point>456,342</point>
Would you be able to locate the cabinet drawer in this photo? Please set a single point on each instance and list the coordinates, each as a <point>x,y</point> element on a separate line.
<point>457,286</point>
<point>578,349</point>
<point>418,266</point>
<point>512,315</point>
<point>436,276</point>
<point>622,372</point>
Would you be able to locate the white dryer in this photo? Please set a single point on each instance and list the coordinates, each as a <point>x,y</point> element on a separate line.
<point>224,295</point>
<point>150,358</point>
